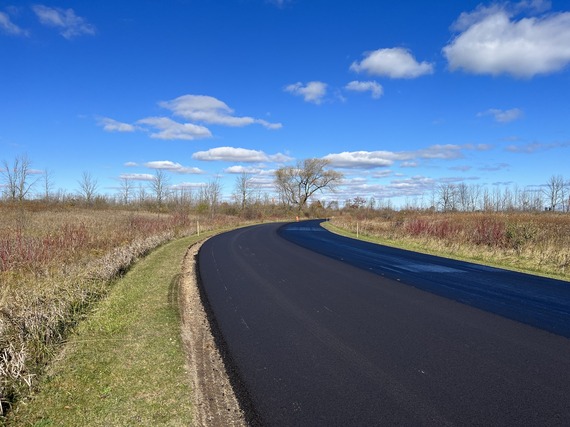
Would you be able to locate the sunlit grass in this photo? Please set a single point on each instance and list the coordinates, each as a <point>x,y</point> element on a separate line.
<point>124,365</point>
<point>532,242</point>
<point>55,264</point>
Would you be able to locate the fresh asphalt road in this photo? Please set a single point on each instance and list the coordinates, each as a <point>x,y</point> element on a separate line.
<point>325,330</point>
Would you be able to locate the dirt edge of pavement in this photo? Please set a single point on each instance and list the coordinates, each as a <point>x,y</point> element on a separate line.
<point>219,398</point>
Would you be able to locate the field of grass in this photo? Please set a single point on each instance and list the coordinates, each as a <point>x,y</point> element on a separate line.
<point>534,242</point>
<point>55,264</point>
<point>125,364</point>
<point>57,261</point>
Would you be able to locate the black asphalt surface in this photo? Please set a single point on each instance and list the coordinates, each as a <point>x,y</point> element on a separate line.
<point>324,330</point>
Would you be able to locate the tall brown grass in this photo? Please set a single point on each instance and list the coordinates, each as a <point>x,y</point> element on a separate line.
<point>539,242</point>
<point>54,263</point>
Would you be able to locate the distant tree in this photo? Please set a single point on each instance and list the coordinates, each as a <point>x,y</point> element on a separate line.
<point>296,184</point>
<point>447,197</point>
<point>126,189</point>
<point>17,178</point>
<point>47,184</point>
<point>211,193</point>
<point>243,189</point>
<point>159,186</point>
<point>88,186</point>
<point>554,191</point>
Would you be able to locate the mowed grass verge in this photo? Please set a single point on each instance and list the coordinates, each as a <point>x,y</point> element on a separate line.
<point>125,364</point>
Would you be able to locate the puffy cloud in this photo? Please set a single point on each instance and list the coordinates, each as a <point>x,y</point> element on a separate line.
<point>370,86</point>
<point>69,24</point>
<point>361,159</point>
<point>137,176</point>
<point>231,154</point>
<point>130,164</point>
<point>193,108</point>
<point>311,92</point>
<point>491,40</point>
<point>7,26</point>
<point>396,63</point>
<point>172,167</point>
<point>170,129</point>
<point>111,125</point>
<point>503,116</point>
<point>378,159</point>
<point>242,169</point>
<point>207,109</point>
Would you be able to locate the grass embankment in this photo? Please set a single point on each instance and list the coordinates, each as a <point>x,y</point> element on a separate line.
<point>536,243</point>
<point>125,364</point>
<point>56,262</point>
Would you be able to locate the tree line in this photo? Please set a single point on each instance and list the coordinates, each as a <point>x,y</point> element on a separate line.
<point>294,188</point>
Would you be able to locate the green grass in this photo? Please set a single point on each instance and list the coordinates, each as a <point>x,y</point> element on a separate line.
<point>125,364</point>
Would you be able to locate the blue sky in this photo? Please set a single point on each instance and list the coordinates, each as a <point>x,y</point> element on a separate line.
<point>400,96</point>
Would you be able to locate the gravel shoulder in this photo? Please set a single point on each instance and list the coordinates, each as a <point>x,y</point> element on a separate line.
<point>215,403</point>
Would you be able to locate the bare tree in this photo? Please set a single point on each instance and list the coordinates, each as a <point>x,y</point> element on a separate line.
<point>243,189</point>
<point>159,186</point>
<point>296,184</point>
<point>88,186</point>
<point>210,194</point>
<point>447,197</point>
<point>554,191</point>
<point>462,192</point>
<point>17,178</point>
<point>48,184</point>
<point>126,189</point>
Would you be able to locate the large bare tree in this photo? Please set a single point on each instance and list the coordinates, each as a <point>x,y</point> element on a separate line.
<point>296,184</point>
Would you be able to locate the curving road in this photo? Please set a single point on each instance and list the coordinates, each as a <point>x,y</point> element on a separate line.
<point>324,330</point>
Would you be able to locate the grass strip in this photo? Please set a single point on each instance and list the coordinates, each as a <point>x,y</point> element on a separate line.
<point>125,364</point>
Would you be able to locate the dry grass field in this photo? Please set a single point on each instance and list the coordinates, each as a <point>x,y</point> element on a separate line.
<point>538,242</point>
<point>55,262</point>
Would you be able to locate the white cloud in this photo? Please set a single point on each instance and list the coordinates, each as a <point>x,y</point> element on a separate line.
<point>231,154</point>
<point>207,109</point>
<point>370,86</point>
<point>311,92</point>
<point>137,176</point>
<point>130,164</point>
<point>110,125</point>
<point>7,26</point>
<point>170,129</point>
<point>69,24</point>
<point>361,159</point>
<point>492,41</point>
<point>173,167</point>
<point>503,116</point>
<point>378,159</point>
<point>243,169</point>
<point>396,63</point>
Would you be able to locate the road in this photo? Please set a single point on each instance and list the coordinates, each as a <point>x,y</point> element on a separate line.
<point>363,335</point>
